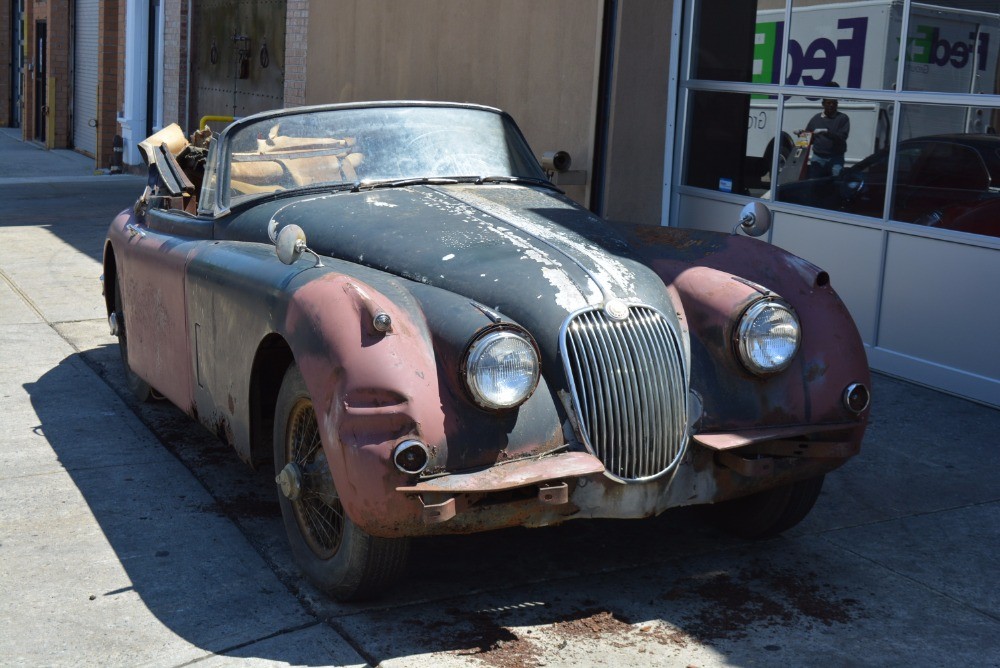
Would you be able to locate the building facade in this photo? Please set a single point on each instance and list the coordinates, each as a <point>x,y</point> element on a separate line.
<point>61,76</point>
<point>907,227</point>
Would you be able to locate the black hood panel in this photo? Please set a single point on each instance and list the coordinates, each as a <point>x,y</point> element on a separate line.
<point>530,254</point>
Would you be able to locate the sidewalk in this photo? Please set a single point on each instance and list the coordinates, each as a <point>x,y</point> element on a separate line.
<point>29,162</point>
<point>111,551</point>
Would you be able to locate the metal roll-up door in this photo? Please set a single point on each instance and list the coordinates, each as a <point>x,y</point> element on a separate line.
<point>85,76</point>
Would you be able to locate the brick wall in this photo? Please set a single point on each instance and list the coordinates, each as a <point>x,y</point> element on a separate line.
<point>296,38</point>
<point>59,44</point>
<point>109,61</point>
<point>55,14</point>
<point>175,28</point>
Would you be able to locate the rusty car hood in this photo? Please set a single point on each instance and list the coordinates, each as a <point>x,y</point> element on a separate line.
<point>530,254</point>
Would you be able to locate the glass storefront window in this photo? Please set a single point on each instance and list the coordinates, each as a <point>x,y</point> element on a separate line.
<point>717,141</point>
<point>948,179</point>
<point>845,43</point>
<point>945,154</point>
<point>839,161</point>
<point>952,46</point>
<point>723,48</point>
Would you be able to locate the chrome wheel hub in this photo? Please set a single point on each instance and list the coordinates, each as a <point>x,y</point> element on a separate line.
<point>290,481</point>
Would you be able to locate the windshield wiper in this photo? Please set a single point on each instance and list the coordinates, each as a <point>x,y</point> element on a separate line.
<point>452,180</point>
<point>415,181</point>
<point>529,180</point>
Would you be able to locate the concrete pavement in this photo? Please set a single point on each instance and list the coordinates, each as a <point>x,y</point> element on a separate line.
<point>28,160</point>
<point>129,536</point>
<point>111,551</point>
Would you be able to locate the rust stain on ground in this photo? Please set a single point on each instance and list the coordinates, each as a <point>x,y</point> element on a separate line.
<point>735,605</point>
<point>496,645</point>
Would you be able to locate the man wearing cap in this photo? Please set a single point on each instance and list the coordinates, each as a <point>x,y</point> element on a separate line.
<point>829,140</point>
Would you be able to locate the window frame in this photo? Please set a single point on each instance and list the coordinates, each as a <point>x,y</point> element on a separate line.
<point>687,85</point>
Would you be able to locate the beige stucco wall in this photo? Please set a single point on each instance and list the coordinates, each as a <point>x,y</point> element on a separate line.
<point>537,60</point>
<point>634,164</point>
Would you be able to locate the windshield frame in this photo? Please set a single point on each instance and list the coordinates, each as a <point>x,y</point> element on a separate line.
<point>216,202</point>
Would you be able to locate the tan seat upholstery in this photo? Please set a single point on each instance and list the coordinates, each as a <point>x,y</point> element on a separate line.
<point>259,176</point>
<point>282,162</point>
<point>324,168</point>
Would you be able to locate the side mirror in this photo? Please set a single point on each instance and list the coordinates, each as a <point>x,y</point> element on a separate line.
<point>290,243</point>
<point>556,161</point>
<point>755,220</point>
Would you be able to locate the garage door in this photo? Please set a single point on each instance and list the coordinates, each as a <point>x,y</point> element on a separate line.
<point>85,77</point>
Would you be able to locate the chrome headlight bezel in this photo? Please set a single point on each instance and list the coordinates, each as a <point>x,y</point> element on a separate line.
<point>747,340</point>
<point>475,376</point>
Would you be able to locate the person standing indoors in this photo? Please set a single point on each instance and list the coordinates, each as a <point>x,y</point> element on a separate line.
<point>829,129</point>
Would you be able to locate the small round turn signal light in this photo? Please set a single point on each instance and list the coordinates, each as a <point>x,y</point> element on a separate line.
<point>856,397</point>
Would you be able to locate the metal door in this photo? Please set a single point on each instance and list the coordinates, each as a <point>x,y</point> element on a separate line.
<point>41,56</point>
<point>85,78</point>
<point>238,57</point>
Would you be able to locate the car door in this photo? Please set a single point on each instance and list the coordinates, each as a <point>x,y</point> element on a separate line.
<point>944,174</point>
<point>152,273</point>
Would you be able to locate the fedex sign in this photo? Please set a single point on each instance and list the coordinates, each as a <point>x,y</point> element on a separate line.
<point>831,46</point>
<point>929,47</point>
<point>815,63</point>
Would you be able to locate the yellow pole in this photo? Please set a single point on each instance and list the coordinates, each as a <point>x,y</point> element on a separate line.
<point>205,120</point>
<point>50,114</point>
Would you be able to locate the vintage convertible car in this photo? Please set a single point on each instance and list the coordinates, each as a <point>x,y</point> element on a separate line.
<point>428,337</point>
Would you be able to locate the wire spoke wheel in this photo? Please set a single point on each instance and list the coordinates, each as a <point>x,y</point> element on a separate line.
<point>317,509</point>
<point>137,385</point>
<point>334,553</point>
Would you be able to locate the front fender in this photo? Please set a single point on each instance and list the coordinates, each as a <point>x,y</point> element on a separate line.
<point>717,276</point>
<point>371,390</point>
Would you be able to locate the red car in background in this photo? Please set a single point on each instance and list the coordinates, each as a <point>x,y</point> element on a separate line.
<point>948,181</point>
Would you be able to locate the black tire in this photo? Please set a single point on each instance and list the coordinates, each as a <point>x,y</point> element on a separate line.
<point>136,385</point>
<point>333,552</point>
<point>787,145</point>
<point>768,513</point>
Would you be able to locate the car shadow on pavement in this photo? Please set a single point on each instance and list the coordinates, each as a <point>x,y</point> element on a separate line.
<point>176,558</point>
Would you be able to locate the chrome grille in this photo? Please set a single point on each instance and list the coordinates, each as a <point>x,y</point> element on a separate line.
<point>627,379</point>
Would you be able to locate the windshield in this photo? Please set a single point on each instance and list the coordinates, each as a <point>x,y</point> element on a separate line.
<point>371,145</point>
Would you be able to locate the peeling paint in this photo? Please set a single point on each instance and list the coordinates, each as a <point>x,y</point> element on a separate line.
<point>614,278</point>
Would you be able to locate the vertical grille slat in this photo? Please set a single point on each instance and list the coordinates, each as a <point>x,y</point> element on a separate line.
<point>627,379</point>
<point>665,378</point>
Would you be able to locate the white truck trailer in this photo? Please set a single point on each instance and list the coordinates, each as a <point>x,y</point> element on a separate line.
<point>855,45</point>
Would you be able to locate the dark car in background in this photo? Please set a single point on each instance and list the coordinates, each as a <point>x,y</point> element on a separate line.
<point>948,181</point>
<point>392,303</point>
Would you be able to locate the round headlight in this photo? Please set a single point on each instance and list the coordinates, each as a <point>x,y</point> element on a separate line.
<point>501,369</point>
<point>768,337</point>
